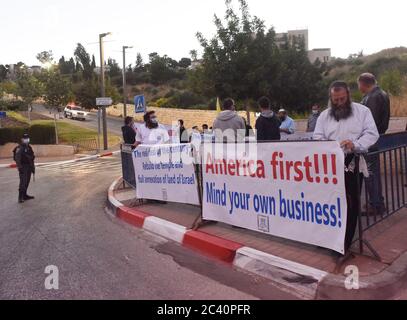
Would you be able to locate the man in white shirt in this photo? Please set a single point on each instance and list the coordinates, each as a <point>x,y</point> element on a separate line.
<point>151,132</point>
<point>353,126</point>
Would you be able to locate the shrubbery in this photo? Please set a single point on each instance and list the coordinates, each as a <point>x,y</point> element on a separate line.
<point>12,105</point>
<point>39,134</point>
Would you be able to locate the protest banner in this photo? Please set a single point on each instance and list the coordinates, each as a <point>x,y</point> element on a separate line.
<point>166,173</point>
<point>292,190</point>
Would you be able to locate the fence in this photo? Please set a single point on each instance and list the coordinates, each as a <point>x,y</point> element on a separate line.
<point>85,145</point>
<point>384,193</point>
<point>127,165</point>
<point>390,174</point>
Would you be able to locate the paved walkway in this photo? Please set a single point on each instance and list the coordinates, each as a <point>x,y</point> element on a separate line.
<point>388,238</point>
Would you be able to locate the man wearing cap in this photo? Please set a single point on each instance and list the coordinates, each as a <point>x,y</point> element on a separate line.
<point>24,158</point>
<point>287,123</point>
<point>353,126</point>
<point>379,104</point>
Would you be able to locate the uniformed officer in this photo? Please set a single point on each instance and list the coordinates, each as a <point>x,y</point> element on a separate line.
<point>24,158</point>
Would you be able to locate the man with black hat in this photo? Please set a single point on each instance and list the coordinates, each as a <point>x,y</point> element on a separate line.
<point>24,158</point>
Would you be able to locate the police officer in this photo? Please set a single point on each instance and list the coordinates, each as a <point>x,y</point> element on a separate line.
<point>24,158</point>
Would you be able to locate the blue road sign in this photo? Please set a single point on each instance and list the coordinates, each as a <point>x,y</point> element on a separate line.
<point>3,114</point>
<point>140,104</point>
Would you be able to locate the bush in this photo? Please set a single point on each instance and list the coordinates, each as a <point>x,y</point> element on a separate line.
<point>39,134</point>
<point>13,105</point>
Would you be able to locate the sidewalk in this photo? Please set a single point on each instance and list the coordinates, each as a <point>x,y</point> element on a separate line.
<point>9,162</point>
<point>305,269</point>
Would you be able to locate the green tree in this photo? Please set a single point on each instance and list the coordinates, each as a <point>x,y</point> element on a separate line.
<point>392,82</point>
<point>185,63</point>
<point>58,90</point>
<point>45,57</point>
<point>29,88</point>
<point>9,87</point>
<point>243,61</point>
<point>83,62</point>
<point>194,55</point>
<point>114,69</point>
<point>3,72</point>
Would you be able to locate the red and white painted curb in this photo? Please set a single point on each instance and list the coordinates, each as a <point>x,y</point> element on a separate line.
<point>109,154</point>
<point>236,254</point>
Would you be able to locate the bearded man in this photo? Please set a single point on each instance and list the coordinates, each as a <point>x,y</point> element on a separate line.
<point>353,126</point>
<point>151,132</point>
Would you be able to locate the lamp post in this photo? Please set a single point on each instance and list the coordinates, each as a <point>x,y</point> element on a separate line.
<point>124,82</point>
<point>102,87</point>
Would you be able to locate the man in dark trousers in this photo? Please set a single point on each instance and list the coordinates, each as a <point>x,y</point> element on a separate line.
<point>353,126</point>
<point>129,135</point>
<point>24,158</point>
<point>379,104</point>
<point>268,124</point>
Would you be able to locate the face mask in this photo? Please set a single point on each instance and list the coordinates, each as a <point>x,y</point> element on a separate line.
<point>154,120</point>
<point>315,112</point>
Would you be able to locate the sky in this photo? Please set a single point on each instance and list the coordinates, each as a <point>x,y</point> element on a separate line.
<point>169,26</point>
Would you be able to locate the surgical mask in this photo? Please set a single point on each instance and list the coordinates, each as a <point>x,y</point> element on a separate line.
<point>154,120</point>
<point>315,112</point>
<point>26,141</point>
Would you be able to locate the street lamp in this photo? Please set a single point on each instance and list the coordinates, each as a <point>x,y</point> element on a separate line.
<point>102,86</point>
<point>124,82</point>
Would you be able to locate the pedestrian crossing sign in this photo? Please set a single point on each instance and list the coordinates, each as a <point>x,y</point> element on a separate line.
<point>140,104</point>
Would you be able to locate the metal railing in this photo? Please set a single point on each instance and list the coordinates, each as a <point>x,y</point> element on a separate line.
<point>127,165</point>
<point>384,193</point>
<point>85,145</point>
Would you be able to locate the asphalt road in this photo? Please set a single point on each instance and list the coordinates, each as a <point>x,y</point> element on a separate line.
<point>97,256</point>
<point>114,125</point>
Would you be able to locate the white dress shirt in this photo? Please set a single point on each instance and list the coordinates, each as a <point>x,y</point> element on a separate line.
<point>360,128</point>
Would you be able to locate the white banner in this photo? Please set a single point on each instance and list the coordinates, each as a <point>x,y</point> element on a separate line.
<point>291,190</point>
<point>166,173</point>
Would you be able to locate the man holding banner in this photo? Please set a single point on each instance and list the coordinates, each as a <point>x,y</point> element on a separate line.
<point>353,126</point>
<point>151,132</point>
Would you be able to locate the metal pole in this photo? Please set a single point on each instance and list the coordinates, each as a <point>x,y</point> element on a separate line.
<point>56,128</point>
<point>29,114</point>
<point>102,89</point>
<point>98,129</point>
<point>124,83</point>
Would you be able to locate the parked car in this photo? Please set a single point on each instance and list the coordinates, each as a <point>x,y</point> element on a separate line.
<point>75,112</point>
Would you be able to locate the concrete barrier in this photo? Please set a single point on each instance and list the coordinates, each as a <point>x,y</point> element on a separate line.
<point>6,151</point>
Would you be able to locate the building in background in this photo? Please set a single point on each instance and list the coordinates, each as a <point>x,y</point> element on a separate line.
<point>293,37</point>
<point>323,55</point>
<point>297,37</point>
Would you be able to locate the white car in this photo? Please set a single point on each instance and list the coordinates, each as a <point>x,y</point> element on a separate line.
<point>74,112</point>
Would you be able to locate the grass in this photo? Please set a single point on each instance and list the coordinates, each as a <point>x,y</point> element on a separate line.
<point>68,132</point>
<point>17,116</point>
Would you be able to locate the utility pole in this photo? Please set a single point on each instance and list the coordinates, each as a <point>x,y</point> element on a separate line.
<point>124,82</point>
<point>102,87</point>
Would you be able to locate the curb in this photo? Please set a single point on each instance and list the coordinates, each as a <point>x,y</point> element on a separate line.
<point>301,280</point>
<point>109,154</point>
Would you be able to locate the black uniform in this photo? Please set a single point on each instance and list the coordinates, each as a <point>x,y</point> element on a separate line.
<point>24,157</point>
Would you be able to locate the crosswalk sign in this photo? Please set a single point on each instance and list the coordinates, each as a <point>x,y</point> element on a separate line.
<point>140,104</point>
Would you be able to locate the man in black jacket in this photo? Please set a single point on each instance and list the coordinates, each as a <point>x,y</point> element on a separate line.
<point>379,104</point>
<point>129,136</point>
<point>268,124</point>
<point>24,158</point>
<point>376,100</point>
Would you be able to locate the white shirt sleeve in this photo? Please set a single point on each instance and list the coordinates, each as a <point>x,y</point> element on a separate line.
<point>139,137</point>
<point>369,135</point>
<point>164,134</point>
<point>319,133</point>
